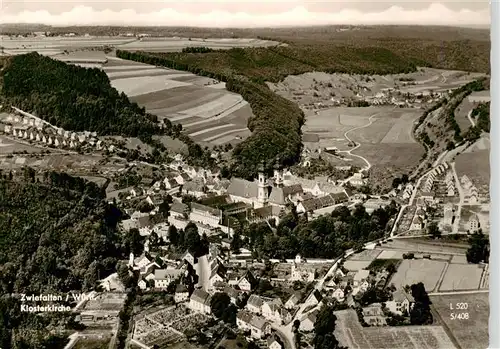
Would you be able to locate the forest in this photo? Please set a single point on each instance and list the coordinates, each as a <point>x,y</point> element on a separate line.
<point>58,233</point>
<point>72,97</point>
<point>327,236</point>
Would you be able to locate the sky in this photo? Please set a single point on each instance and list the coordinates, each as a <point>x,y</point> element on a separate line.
<point>243,13</point>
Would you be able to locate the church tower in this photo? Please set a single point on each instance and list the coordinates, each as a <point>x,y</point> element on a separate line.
<point>262,187</point>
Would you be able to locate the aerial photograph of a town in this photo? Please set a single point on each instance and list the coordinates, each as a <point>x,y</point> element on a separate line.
<point>296,176</point>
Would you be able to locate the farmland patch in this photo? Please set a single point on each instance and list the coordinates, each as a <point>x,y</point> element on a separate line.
<point>461,277</point>
<point>140,85</point>
<point>413,271</point>
<point>356,265</point>
<point>365,255</point>
<point>471,332</point>
<point>351,334</point>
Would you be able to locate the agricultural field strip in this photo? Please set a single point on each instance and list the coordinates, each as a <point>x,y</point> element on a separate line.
<point>175,100</point>
<point>212,108</point>
<point>144,72</point>
<point>401,131</point>
<point>111,69</point>
<point>218,116</point>
<point>222,134</point>
<point>226,139</point>
<point>460,277</point>
<point>210,129</point>
<point>139,86</point>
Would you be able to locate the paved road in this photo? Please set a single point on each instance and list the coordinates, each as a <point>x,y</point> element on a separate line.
<point>470,118</point>
<point>368,164</point>
<point>286,335</point>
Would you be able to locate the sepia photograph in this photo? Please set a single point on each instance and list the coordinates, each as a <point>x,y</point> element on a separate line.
<point>245,175</point>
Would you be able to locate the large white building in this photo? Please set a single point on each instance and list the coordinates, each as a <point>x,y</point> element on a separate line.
<point>265,191</point>
<point>205,215</point>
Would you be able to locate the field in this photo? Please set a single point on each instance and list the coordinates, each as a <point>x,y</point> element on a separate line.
<point>383,134</point>
<point>475,163</point>
<point>461,277</point>
<point>208,115</point>
<point>55,45</point>
<point>470,333</point>
<point>90,343</point>
<point>412,271</point>
<point>349,333</point>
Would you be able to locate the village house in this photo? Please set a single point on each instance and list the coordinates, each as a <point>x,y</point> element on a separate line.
<point>195,188</point>
<point>402,302</point>
<point>338,294</point>
<point>247,282</point>
<point>474,223</point>
<point>254,304</point>
<point>200,302</point>
<point>274,343</point>
<point>257,325</point>
<point>357,180</point>
<point>307,322</point>
<point>233,294</point>
<point>293,301</point>
<point>181,294</point>
<point>324,189</point>
<point>417,223</point>
<point>182,178</point>
<point>218,274</point>
<point>360,276</point>
<point>314,299</point>
<point>189,257</point>
<point>302,271</point>
<point>163,277</point>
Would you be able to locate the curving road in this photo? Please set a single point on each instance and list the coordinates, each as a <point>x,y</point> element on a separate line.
<point>368,164</point>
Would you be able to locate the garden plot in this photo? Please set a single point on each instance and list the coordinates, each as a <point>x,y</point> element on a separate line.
<point>351,334</point>
<point>471,333</point>
<point>140,85</point>
<point>412,271</point>
<point>462,277</point>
